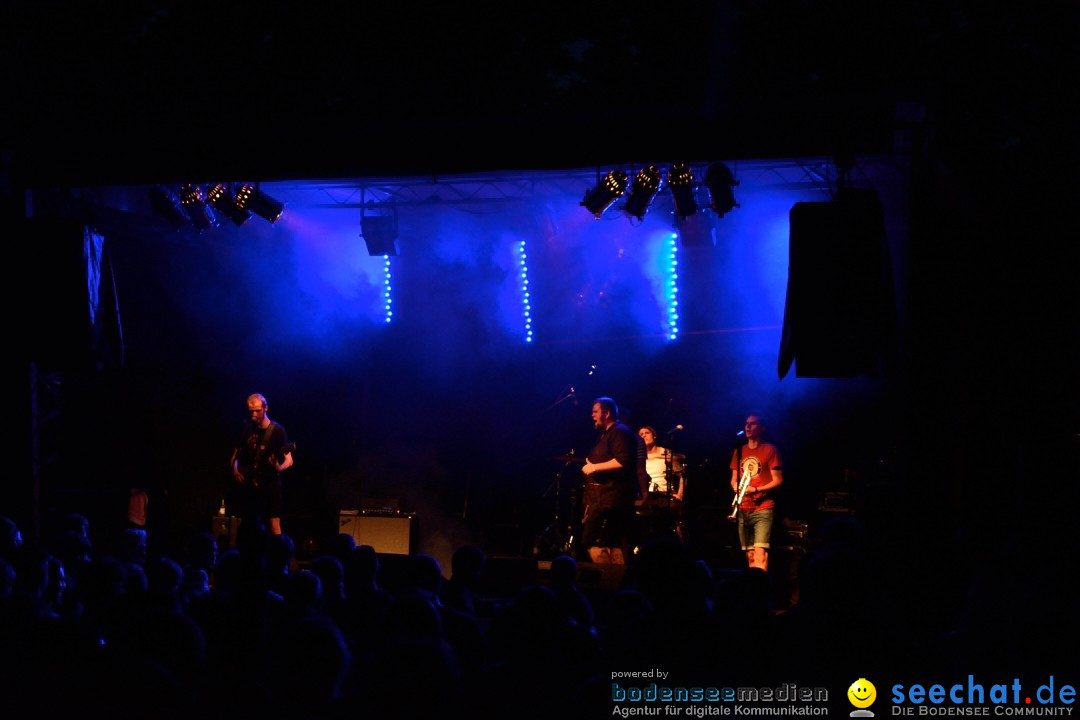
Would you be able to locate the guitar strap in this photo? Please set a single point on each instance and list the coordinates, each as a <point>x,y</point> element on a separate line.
<point>263,445</point>
<point>738,460</point>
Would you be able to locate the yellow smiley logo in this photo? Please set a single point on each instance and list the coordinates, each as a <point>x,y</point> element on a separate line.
<point>862,693</point>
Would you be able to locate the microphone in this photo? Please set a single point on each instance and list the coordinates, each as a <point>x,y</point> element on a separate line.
<point>741,433</point>
<point>675,429</point>
<point>573,395</point>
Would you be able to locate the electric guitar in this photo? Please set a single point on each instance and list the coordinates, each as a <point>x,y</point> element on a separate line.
<point>251,472</point>
<point>744,485</point>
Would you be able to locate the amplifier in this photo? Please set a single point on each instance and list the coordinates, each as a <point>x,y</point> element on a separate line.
<point>390,533</point>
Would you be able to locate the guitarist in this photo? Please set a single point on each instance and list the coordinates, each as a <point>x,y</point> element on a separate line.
<point>760,462</point>
<point>264,452</point>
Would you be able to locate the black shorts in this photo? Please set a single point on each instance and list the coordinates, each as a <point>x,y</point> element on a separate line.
<point>261,502</point>
<point>272,499</point>
<point>607,527</point>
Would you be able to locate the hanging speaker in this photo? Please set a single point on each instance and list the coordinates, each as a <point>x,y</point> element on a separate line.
<point>837,300</point>
<point>380,234</point>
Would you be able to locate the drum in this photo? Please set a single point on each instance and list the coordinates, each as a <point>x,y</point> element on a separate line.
<point>658,515</point>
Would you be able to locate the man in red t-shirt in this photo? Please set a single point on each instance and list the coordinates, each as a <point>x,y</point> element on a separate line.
<point>761,463</point>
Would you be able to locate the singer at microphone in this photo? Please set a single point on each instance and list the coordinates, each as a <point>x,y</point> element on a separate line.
<point>756,472</point>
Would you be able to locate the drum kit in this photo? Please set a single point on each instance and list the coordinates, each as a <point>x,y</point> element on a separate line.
<point>660,512</point>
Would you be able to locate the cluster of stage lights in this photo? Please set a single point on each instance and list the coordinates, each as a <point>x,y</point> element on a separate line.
<point>192,205</point>
<point>647,182</point>
<point>719,180</point>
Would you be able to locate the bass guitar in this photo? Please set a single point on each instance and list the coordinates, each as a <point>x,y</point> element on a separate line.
<point>251,472</point>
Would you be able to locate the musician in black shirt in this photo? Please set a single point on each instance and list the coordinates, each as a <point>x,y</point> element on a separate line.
<point>263,453</point>
<point>611,475</point>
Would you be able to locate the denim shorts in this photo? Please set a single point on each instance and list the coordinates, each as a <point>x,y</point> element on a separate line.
<point>755,528</point>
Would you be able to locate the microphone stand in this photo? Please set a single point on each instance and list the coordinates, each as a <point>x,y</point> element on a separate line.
<point>567,394</point>
<point>556,532</point>
<point>669,477</point>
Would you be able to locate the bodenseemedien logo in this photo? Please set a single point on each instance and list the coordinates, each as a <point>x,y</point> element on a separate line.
<point>673,699</point>
<point>862,694</point>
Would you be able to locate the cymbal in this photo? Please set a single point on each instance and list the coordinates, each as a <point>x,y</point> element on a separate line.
<point>569,458</point>
<point>678,456</point>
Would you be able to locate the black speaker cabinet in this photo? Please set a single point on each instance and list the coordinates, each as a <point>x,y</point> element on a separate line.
<point>389,534</point>
<point>839,295</point>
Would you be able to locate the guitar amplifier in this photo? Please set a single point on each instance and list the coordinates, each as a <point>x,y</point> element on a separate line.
<point>387,532</point>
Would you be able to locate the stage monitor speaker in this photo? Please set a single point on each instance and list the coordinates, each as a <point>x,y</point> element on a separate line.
<point>389,534</point>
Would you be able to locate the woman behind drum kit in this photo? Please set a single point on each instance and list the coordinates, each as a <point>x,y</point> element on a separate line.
<point>662,510</point>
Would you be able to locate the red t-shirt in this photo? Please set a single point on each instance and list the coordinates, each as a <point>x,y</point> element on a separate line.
<point>759,462</point>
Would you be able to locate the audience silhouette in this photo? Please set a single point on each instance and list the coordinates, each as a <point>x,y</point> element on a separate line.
<point>256,632</point>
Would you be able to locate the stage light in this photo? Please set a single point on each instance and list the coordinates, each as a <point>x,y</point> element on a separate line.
<point>720,181</point>
<point>607,191</point>
<point>523,261</point>
<point>671,285</point>
<point>380,234</point>
<point>681,182</point>
<point>388,294</point>
<point>250,197</point>
<point>168,205</point>
<point>221,198</point>
<point>194,204</point>
<point>646,184</point>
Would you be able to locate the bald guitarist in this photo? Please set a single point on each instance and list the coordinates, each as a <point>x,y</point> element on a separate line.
<point>263,453</point>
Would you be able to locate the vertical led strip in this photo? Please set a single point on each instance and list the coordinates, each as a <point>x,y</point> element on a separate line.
<point>671,284</point>
<point>524,276</point>
<point>387,300</point>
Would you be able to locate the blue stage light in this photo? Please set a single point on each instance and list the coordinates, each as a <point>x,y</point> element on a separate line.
<point>671,285</point>
<point>720,181</point>
<point>681,182</point>
<point>524,276</point>
<point>646,184</point>
<point>250,197</point>
<point>223,200</point>
<point>194,203</point>
<point>608,190</point>
<point>388,299</point>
